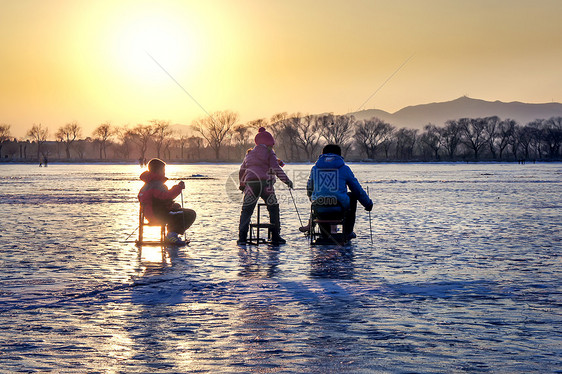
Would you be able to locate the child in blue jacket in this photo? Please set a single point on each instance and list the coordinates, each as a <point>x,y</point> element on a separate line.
<point>329,180</point>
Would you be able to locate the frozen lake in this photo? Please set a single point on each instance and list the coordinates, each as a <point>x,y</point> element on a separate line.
<point>464,275</point>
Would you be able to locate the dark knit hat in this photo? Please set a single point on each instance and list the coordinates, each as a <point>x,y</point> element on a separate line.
<point>264,137</point>
<point>332,148</point>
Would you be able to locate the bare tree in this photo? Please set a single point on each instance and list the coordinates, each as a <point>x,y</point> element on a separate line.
<point>4,135</point>
<point>515,141</point>
<point>284,131</point>
<point>241,137</point>
<point>533,134</point>
<point>67,134</point>
<point>276,122</point>
<point>39,135</point>
<point>81,147</point>
<point>216,128</point>
<point>491,125</point>
<point>141,135</point>
<point>195,143</point>
<point>553,136</point>
<point>306,134</point>
<point>451,138</point>
<point>125,145</point>
<point>525,137</point>
<point>405,142</point>
<point>46,150</point>
<point>161,135</point>
<point>505,131</point>
<point>338,130</point>
<point>257,123</point>
<point>371,133</point>
<point>182,142</point>
<point>432,138</point>
<point>102,134</point>
<point>473,134</point>
<point>168,148</point>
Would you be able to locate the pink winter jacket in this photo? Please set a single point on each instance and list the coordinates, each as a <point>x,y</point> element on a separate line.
<point>155,197</point>
<point>261,164</point>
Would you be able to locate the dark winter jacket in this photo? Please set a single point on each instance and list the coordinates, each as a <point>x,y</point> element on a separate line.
<point>155,197</point>
<point>330,177</point>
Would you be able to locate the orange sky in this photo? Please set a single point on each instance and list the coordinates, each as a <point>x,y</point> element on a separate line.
<point>88,61</point>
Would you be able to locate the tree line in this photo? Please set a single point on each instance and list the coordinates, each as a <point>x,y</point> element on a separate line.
<point>299,137</point>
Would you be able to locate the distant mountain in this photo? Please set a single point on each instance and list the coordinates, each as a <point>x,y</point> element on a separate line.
<point>418,116</point>
<point>182,129</point>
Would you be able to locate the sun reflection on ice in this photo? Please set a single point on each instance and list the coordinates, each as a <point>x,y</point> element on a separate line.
<point>153,254</point>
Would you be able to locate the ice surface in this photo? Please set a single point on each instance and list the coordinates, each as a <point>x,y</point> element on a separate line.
<point>464,276</point>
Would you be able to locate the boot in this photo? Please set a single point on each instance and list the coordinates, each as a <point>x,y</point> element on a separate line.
<point>276,238</point>
<point>305,228</point>
<point>243,236</point>
<point>173,239</point>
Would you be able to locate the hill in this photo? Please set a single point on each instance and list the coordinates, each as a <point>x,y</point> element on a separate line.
<point>418,116</point>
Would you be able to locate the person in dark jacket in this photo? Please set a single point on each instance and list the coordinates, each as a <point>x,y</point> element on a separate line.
<point>158,201</point>
<point>257,176</point>
<point>327,186</point>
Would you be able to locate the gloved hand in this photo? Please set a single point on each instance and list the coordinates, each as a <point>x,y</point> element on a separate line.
<point>242,188</point>
<point>182,185</point>
<point>369,207</point>
<point>290,184</point>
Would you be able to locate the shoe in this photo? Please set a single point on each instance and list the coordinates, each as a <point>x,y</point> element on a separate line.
<point>351,236</point>
<point>174,239</point>
<point>278,240</point>
<point>304,228</point>
<point>242,241</point>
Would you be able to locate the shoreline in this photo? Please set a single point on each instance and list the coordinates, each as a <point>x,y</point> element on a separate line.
<point>178,162</point>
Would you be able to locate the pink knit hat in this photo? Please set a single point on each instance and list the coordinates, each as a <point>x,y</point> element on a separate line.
<point>264,137</point>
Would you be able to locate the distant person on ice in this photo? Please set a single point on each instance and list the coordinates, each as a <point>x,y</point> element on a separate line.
<point>158,202</point>
<point>328,182</point>
<point>257,176</point>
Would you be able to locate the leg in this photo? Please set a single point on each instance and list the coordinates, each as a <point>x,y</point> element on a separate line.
<point>174,221</point>
<point>189,217</point>
<point>268,195</point>
<point>181,220</point>
<point>248,206</point>
<point>274,219</point>
<point>350,215</point>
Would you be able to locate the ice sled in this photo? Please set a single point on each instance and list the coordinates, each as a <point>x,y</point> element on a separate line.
<point>326,225</point>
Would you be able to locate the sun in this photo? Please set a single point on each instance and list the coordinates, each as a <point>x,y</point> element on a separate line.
<point>150,41</point>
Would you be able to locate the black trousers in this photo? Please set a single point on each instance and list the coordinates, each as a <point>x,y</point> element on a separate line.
<point>254,190</point>
<point>349,215</point>
<point>180,220</point>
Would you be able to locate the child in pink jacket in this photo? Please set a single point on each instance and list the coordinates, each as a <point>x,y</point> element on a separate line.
<point>158,202</point>
<point>257,175</point>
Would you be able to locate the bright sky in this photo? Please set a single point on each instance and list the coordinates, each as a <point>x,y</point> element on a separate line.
<point>89,61</point>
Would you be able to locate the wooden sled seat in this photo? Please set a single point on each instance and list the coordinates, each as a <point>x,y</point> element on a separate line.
<point>144,222</point>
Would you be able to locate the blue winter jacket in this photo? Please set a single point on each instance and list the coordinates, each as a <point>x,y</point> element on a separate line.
<point>330,177</point>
